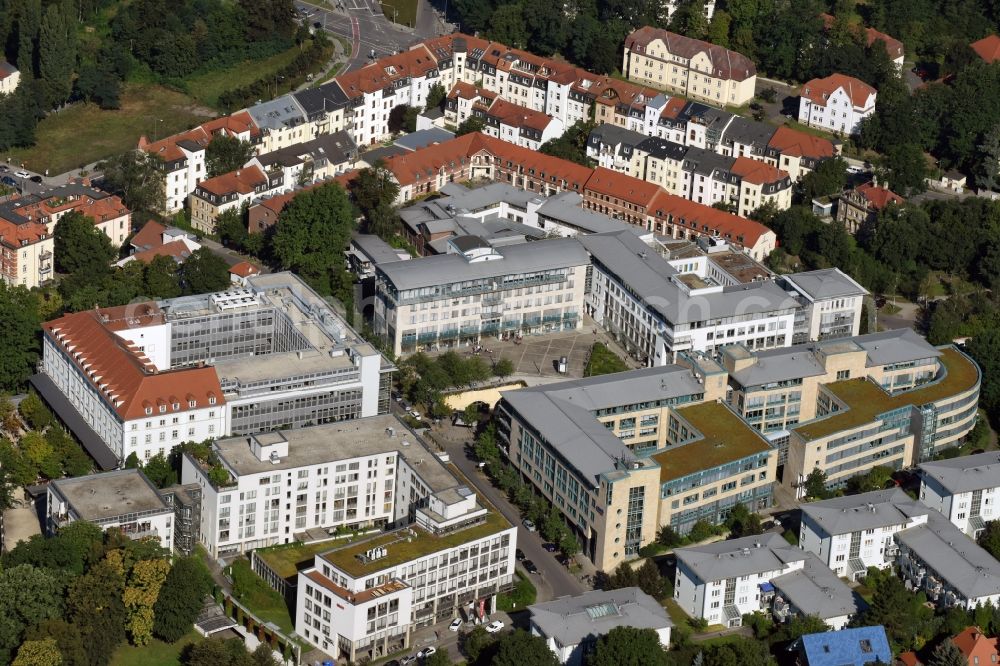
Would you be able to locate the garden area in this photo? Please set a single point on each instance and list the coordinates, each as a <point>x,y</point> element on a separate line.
<point>603,361</point>
<point>251,591</point>
<point>401,11</point>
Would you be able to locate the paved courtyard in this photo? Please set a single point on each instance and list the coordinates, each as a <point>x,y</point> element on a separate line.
<point>23,521</point>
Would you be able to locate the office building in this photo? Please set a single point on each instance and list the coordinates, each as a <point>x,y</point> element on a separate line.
<point>966,490</point>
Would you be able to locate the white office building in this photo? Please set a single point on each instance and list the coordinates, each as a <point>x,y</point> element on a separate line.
<point>852,533</point>
<point>123,500</point>
<point>966,490</point>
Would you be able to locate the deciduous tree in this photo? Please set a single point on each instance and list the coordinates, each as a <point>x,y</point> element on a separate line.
<point>180,599</point>
<point>203,272</point>
<point>226,153</point>
<point>628,646</point>
<point>136,176</point>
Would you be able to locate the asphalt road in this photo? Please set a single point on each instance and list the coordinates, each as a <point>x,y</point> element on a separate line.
<point>23,185</point>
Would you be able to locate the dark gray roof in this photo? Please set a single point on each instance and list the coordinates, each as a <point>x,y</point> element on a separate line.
<point>825,283</point>
<point>566,207</point>
<point>707,115</point>
<point>775,365</point>
<point>9,209</point>
<point>614,135</point>
<point>277,113</point>
<point>953,556</point>
<point>965,473</point>
<point>106,458</point>
<point>816,590</point>
<point>896,346</point>
<point>572,620</point>
<point>383,153</point>
<point>376,249</point>
<point>424,138</point>
<point>880,508</point>
<point>445,269</point>
<point>467,243</point>
<point>317,101</point>
<point>749,132</point>
<point>336,148</point>
<point>663,149</point>
<point>739,557</point>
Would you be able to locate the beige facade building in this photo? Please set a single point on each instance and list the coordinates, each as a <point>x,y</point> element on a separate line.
<point>693,68</point>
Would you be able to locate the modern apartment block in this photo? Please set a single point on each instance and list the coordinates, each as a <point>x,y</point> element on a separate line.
<point>725,580</point>
<point>689,67</point>
<point>146,377</point>
<point>852,533</point>
<point>966,490</point>
<point>477,289</point>
<point>123,500</point>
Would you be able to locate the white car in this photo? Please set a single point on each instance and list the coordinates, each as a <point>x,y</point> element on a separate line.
<point>22,174</point>
<point>455,625</point>
<point>427,652</point>
<point>494,626</point>
<point>528,525</point>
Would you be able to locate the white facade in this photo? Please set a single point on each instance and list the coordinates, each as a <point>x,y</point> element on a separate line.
<point>831,106</point>
<point>966,490</point>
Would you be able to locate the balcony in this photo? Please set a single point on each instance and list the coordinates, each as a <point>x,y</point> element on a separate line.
<point>470,330</point>
<point>531,321</point>
<point>570,316</point>
<point>427,337</point>
<point>489,328</point>
<point>449,334</point>
<point>492,299</point>
<point>548,319</point>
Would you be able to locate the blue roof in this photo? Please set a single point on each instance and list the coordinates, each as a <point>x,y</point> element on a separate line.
<point>847,647</point>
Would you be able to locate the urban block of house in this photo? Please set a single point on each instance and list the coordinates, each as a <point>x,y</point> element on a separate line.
<point>723,581</point>
<point>861,205</point>
<point>124,499</point>
<point>461,295</point>
<point>363,598</point>
<point>893,47</point>
<point>837,103</point>
<point>852,533</point>
<point>517,124</point>
<point>368,251</point>
<point>690,67</point>
<point>571,626</point>
<point>229,191</point>
<point>966,490</point>
<point>860,646</point>
<point>326,156</point>
<point>155,240</point>
<point>828,405</point>
<point>146,377</point>
<point>10,76</point>
<point>27,227</point>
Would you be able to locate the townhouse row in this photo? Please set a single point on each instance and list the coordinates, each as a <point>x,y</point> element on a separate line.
<point>623,455</point>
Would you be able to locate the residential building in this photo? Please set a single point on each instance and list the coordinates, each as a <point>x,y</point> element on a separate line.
<point>893,47</point>
<point>690,67</point>
<point>837,103</point>
<point>185,500</point>
<point>124,500</point>
<point>616,453</point>
<point>183,155</point>
<point>853,533</point>
<point>155,240</point>
<point>940,560</point>
<point>368,251</point>
<point>831,304</point>
<point>978,648</point>
<point>263,213</point>
<point>862,205</point>
<point>987,48</point>
<point>571,626</point>
<point>519,125</point>
<point>282,122</point>
<point>966,490</point>
<point>242,271</point>
<point>146,377</point>
<point>859,646</point>
<point>230,191</point>
<point>797,152</point>
<point>478,289</point>
<point>324,157</point>
<point>722,581</point>
<point>449,551</point>
<point>28,223</point>
<point>9,78</point>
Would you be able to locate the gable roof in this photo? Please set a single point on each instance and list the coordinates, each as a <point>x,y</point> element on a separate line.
<point>819,91</point>
<point>797,143</point>
<point>758,173</point>
<point>847,647</point>
<point>725,63</point>
<point>987,48</point>
<point>878,197</point>
<point>379,75</point>
<point>572,620</point>
<point>150,236</point>
<point>241,181</point>
<point>739,557</point>
<point>976,647</point>
<point>965,473</point>
<point>880,508</point>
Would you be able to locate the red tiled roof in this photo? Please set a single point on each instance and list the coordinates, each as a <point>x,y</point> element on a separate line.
<point>516,115</point>
<point>800,144</point>
<point>243,181</point>
<point>410,167</point>
<point>6,69</point>
<point>16,235</point>
<point>151,235</point>
<point>878,197</point>
<point>169,150</point>
<point>893,46</point>
<point>726,64</point>
<point>125,378</point>
<point>706,219</point>
<point>244,269</point>
<point>909,659</point>
<point>177,250</point>
<point>633,190</point>
<point>757,173</point>
<point>545,167</point>
<point>987,48</point>
<point>857,90</point>
<point>463,90</point>
<point>277,203</point>
<point>976,647</point>
<point>416,62</point>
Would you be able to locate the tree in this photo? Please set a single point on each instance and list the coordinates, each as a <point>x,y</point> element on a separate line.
<point>203,272</point>
<point>718,28</point>
<point>470,125</point>
<point>143,587</point>
<point>436,96</point>
<point>397,119</point>
<point>906,168</point>
<point>741,522</point>
<point>209,652</point>
<point>34,412</point>
<point>56,54</point>
<point>649,579</point>
<point>475,643</point>
<point>503,367</point>
<point>829,177</point>
<point>137,177</point>
<point>132,461</point>
<point>96,608</point>
<point>42,652</point>
<point>383,221</point>
<point>507,25</point>
<point>81,248</point>
<point>519,648</point>
<point>815,485</point>
<point>689,19</point>
<point>226,153</point>
<point>900,611</point>
<point>946,654</point>
<point>628,646</point>
<point>546,23</point>
<point>180,599</point>
<point>67,639</point>
<point>989,538</point>
<point>439,658</point>
<point>27,595</point>
<point>669,537</point>
<point>572,145</point>
<point>159,471</point>
<point>374,188</point>
<point>312,232</point>
<point>19,323</point>
<point>160,278</point>
<point>987,169</point>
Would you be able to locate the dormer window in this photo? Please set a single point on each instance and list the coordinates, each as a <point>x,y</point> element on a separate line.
<point>191,403</point>
<point>177,405</point>
<point>211,400</point>
<point>149,410</point>
<point>163,409</point>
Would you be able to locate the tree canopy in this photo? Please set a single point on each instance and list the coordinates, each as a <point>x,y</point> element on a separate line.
<point>226,153</point>
<point>628,646</point>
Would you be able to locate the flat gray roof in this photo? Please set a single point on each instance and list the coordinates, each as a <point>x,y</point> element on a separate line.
<point>444,269</point>
<point>572,620</point>
<point>424,138</point>
<point>826,283</point>
<point>739,557</point>
<point>315,445</point>
<point>852,513</point>
<point>566,207</point>
<point>965,473</point>
<point>815,590</point>
<point>953,556</point>
<point>899,345</point>
<point>775,365</point>
<point>376,249</point>
<point>277,113</point>
<point>100,497</point>
<point>488,195</point>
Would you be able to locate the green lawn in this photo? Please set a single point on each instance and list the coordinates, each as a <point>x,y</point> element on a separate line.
<point>603,361</point>
<point>156,653</point>
<point>406,11</point>
<point>84,133</point>
<point>264,602</point>
<point>285,559</point>
<point>207,87</point>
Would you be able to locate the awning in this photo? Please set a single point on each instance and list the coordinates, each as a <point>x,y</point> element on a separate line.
<point>766,587</point>
<point>72,419</point>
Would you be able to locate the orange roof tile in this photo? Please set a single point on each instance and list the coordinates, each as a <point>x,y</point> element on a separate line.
<point>987,48</point>
<point>244,269</point>
<point>377,76</point>
<point>17,235</point>
<point>800,144</point>
<point>976,647</point>
<point>757,173</point>
<point>878,197</point>
<point>725,63</point>
<point>177,250</point>
<point>122,374</point>
<point>820,90</point>
<point>151,235</point>
<point>706,219</point>
<point>410,167</point>
<point>243,181</point>
<point>463,90</point>
<point>634,190</point>
<point>516,115</point>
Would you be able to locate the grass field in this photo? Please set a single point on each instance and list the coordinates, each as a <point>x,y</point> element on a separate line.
<point>406,11</point>
<point>206,88</point>
<point>156,653</point>
<point>84,133</point>
<point>603,361</point>
<point>255,594</point>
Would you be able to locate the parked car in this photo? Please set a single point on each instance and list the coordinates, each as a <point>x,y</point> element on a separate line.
<point>36,179</point>
<point>427,652</point>
<point>550,547</point>
<point>415,414</point>
<point>409,659</point>
<point>519,555</point>
<point>22,174</point>
<point>4,168</point>
<point>528,525</point>
<point>494,626</point>
<point>563,560</point>
<point>455,625</point>
<point>529,566</point>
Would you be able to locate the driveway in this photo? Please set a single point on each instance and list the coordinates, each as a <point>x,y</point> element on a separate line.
<point>24,521</point>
